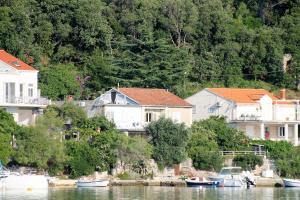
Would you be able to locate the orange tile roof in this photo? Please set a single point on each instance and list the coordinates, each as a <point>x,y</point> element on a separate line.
<point>157,97</point>
<point>14,62</point>
<point>240,95</point>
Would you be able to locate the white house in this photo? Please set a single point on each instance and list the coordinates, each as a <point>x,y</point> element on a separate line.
<point>257,112</point>
<point>131,109</point>
<point>19,94</point>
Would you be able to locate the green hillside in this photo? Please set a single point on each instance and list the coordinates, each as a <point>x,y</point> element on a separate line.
<point>83,47</point>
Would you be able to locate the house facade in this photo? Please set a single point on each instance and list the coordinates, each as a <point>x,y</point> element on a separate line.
<point>132,109</point>
<point>257,112</point>
<point>19,94</point>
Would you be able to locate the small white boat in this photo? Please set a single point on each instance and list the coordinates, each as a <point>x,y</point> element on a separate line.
<point>200,181</point>
<point>291,182</point>
<point>93,183</point>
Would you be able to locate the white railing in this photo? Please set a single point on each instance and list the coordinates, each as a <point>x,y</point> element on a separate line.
<point>235,153</point>
<point>24,101</point>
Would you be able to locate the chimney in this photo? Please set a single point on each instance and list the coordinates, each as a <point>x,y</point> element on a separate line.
<point>282,94</point>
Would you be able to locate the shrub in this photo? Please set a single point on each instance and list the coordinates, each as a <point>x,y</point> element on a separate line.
<point>247,161</point>
<point>126,176</point>
<point>134,152</point>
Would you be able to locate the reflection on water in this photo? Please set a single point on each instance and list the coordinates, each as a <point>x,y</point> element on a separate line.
<point>151,193</point>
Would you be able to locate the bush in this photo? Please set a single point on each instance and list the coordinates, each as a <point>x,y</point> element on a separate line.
<point>125,176</point>
<point>247,161</point>
<point>134,152</point>
<point>276,149</point>
<point>169,141</point>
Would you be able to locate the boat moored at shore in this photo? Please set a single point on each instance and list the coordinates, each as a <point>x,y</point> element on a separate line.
<point>291,182</point>
<point>92,183</point>
<point>200,181</point>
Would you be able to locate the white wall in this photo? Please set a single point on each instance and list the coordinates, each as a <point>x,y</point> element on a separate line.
<point>285,112</point>
<point>125,117</point>
<point>266,104</point>
<point>205,101</point>
<point>19,77</point>
<point>247,110</point>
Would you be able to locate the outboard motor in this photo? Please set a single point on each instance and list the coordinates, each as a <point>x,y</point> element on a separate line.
<point>249,182</point>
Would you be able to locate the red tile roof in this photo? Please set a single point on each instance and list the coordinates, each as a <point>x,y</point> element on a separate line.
<point>240,95</point>
<point>156,97</point>
<point>14,62</point>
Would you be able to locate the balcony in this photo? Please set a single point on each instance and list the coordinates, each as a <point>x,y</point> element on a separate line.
<point>24,101</point>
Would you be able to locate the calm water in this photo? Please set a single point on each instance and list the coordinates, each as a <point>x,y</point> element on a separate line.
<point>155,193</point>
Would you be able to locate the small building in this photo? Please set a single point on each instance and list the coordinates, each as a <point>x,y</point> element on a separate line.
<point>132,109</point>
<point>257,112</point>
<point>19,93</point>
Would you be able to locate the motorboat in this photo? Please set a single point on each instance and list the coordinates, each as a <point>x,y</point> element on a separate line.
<point>14,180</point>
<point>24,182</point>
<point>233,177</point>
<point>291,182</point>
<point>92,183</point>
<point>200,181</point>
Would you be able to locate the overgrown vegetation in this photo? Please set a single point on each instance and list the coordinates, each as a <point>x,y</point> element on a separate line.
<point>211,136</point>
<point>286,157</point>
<point>98,145</point>
<point>248,161</point>
<point>174,44</point>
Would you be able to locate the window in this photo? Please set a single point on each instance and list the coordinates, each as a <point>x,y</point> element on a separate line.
<point>10,92</point>
<point>30,90</point>
<point>149,117</point>
<point>194,109</point>
<point>21,90</point>
<point>211,110</point>
<point>281,131</point>
<point>176,117</point>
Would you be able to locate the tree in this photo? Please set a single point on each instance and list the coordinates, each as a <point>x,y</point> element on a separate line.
<point>41,145</point>
<point>227,138</point>
<point>169,140</point>
<point>72,112</point>
<point>8,128</point>
<point>204,150</point>
<point>105,145</point>
<point>95,123</point>
<point>58,81</point>
<point>82,158</point>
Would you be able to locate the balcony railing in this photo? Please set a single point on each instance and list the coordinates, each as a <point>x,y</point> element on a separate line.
<point>235,153</point>
<point>24,101</point>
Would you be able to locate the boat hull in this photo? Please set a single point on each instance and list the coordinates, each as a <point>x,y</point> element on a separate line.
<point>291,183</point>
<point>192,183</point>
<point>100,183</point>
<point>24,182</point>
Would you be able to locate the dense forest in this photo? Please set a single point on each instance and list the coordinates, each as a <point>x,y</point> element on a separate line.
<point>83,47</point>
